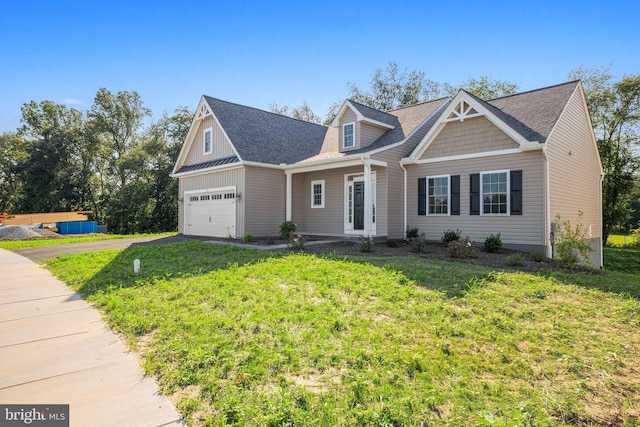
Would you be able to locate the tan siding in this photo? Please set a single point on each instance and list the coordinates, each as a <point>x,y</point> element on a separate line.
<point>234,177</point>
<point>330,219</point>
<point>393,213</point>
<point>526,229</point>
<point>264,199</point>
<point>474,135</point>
<point>348,117</point>
<point>221,147</point>
<point>574,171</point>
<point>369,133</point>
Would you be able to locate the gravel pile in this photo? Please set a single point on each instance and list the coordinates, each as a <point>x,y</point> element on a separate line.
<point>15,232</point>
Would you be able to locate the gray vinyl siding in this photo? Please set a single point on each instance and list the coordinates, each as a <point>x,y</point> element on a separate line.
<point>264,199</point>
<point>234,177</point>
<point>574,170</point>
<point>522,230</point>
<point>221,147</point>
<point>474,135</point>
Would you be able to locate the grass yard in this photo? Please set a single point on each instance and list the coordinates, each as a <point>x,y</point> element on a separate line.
<point>19,244</point>
<point>241,337</point>
<point>619,240</point>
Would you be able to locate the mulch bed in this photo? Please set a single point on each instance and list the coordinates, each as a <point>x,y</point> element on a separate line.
<point>432,250</point>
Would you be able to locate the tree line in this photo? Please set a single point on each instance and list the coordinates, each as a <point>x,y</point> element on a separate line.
<point>106,160</point>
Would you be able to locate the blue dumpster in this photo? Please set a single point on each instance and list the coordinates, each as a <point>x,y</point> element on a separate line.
<point>77,227</point>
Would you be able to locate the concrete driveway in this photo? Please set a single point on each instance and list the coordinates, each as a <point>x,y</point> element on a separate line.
<point>55,349</point>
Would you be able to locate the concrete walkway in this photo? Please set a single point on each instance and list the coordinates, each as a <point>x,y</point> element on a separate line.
<point>55,349</point>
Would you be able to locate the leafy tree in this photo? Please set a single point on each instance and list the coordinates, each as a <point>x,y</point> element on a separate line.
<point>615,115</point>
<point>302,112</point>
<point>486,88</point>
<point>12,153</point>
<point>55,172</point>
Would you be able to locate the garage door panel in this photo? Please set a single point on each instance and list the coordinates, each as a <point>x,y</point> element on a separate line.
<point>211,214</point>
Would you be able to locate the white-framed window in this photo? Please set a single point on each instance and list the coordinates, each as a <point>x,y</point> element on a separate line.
<point>317,194</point>
<point>494,189</point>
<point>348,135</point>
<point>438,195</point>
<point>207,140</point>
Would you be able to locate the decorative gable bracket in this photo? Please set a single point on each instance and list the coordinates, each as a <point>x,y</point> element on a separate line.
<point>461,111</point>
<point>203,111</point>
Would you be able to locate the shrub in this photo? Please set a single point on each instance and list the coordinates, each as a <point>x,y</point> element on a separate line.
<point>538,256</point>
<point>461,248</point>
<point>411,234</point>
<point>248,238</point>
<point>451,236</point>
<point>366,244</point>
<point>514,260</point>
<point>286,229</point>
<point>418,244</point>
<point>493,243</point>
<point>296,242</point>
<point>571,242</point>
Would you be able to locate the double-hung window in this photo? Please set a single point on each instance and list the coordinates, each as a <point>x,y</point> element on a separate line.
<point>207,142</point>
<point>348,131</point>
<point>438,195</point>
<point>317,194</point>
<point>495,192</point>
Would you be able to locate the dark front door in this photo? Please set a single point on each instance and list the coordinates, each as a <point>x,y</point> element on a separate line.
<point>358,205</point>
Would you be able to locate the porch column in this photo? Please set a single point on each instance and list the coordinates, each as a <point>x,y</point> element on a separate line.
<point>288,202</point>
<point>367,198</point>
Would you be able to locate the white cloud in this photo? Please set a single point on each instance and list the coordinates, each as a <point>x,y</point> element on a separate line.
<point>72,101</point>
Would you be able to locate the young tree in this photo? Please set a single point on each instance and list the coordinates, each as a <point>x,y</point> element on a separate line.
<point>486,88</point>
<point>302,112</point>
<point>615,115</point>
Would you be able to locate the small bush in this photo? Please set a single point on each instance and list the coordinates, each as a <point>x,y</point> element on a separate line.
<point>571,242</point>
<point>418,244</point>
<point>538,256</point>
<point>248,238</point>
<point>411,234</point>
<point>514,260</point>
<point>392,243</point>
<point>461,248</point>
<point>286,229</point>
<point>296,242</point>
<point>451,236</point>
<point>493,243</point>
<point>366,244</point>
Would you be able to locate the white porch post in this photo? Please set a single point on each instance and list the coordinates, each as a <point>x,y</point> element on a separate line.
<point>288,202</point>
<point>367,198</point>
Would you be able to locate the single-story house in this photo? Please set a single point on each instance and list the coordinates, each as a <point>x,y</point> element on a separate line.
<point>507,165</point>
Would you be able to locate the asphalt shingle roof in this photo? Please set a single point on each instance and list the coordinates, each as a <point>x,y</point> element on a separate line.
<point>262,136</point>
<point>265,137</point>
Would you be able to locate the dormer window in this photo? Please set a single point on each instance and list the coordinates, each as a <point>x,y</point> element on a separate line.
<point>208,149</point>
<point>348,135</point>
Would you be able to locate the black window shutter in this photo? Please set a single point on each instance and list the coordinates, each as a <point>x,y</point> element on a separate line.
<point>516,192</point>
<point>422,196</point>
<point>474,194</point>
<point>455,195</point>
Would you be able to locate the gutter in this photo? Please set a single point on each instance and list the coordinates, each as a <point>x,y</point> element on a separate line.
<point>404,200</point>
<point>547,212</point>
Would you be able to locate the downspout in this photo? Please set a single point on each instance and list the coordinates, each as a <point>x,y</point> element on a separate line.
<point>601,242</point>
<point>404,200</point>
<point>547,213</point>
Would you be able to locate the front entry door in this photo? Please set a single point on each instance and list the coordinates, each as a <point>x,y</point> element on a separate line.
<point>358,205</point>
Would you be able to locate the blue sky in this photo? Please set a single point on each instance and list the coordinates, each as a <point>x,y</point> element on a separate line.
<point>256,53</point>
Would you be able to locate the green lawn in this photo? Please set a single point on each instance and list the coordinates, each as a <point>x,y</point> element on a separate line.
<point>241,337</point>
<point>621,240</point>
<point>19,244</point>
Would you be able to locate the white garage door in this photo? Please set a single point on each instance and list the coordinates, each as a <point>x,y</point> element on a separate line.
<point>210,213</point>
